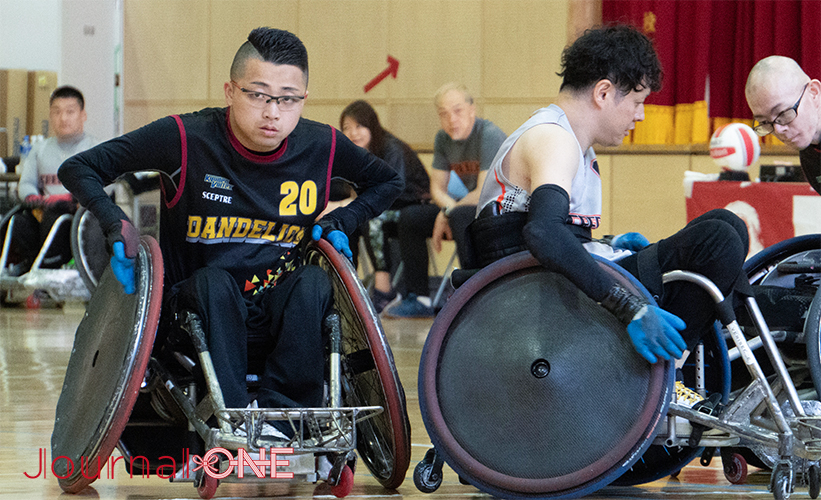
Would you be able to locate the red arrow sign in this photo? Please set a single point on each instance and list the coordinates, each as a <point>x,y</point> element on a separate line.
<point>392,69</point>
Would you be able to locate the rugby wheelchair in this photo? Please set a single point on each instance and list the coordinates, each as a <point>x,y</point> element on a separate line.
<point>156,398</point>
<point>136,192</point>
<point>58,284</point>
<point>529,389</point>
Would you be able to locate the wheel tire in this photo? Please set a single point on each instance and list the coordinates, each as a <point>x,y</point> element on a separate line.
<point>207,486</point>
<point>344,485</point>
<point>88,248</point>
<point>369,372</point>
<point>33,301</point>
<point>425,479</point>
<point>814,481</point>
<point>736,470</point>
<point>781,483</point>
<point>782,489</point>
<point>812,335</point>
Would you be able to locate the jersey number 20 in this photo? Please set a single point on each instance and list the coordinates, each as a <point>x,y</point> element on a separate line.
<point>304,197</point>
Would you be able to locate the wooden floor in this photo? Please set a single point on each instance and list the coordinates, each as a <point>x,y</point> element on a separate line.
<point>34,350</point>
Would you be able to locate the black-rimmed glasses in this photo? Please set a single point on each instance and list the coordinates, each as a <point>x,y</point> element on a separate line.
<point>763,128</point>
<point>261,99</point>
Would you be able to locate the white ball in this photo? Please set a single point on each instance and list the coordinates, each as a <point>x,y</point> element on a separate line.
<point>735,146</point>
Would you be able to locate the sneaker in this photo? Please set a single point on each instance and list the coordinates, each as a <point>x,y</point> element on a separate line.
<point>686,396</point>
<point>689,398</point>
<point>268,430</point>
<point>381,299</point>
<point>410,307</point>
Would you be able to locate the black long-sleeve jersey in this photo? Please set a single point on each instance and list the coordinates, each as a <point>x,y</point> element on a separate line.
<point>226,206</point>
<point>811,165</point>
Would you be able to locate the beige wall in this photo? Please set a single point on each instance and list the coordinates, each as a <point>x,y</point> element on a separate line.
<point>177,54</point>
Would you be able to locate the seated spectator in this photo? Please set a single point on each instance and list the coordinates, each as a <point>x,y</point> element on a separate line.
<point>43,195</point>
<point>466,145</point>
<point>360,123</point>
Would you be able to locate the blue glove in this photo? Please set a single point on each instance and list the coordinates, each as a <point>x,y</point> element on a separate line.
<point>629,241</point>
<point>123,267</point>
<point>655,332</point>
<point>337,238</point>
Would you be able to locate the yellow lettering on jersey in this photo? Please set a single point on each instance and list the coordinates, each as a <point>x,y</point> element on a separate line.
<point>307,197</point>
<point>287,206</point>
<point>292,232</point>
<point>226,226</point>
<point>256,231</point>
<point>243,226</point>
<point>194,226</point>
<point>238,229</point>
<point>268,236</point>
<point>209,229</point>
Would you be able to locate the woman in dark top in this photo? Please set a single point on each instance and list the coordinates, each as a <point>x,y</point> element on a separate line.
<point>360,123</point>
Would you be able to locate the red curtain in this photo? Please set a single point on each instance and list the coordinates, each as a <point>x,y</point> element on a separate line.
<point>714,43</point>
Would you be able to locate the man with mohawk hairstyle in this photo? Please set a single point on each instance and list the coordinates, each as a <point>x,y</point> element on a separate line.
<point>241,186</point>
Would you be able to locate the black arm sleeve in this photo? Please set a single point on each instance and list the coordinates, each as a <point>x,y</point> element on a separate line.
<point>553,244</point>
<point>377,185</point>
<point>155,146</point>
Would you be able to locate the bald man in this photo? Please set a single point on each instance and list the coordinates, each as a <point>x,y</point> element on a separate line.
<point>787,103</point>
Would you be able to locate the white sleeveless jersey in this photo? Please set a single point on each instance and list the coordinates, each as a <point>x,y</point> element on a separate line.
<point>585,193</point>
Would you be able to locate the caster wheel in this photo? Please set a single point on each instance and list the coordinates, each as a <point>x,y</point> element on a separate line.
<point>735,469</point>
<point>815,481</point>
<point>344,485</point>
<point>33,301</point>
<point>425,476</point>
<point>781,484</point>
<point>207,486</point>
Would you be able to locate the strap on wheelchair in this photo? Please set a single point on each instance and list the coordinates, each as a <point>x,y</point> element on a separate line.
<point>710,406</point>
<point>494,235</point>
<point>649,269</point>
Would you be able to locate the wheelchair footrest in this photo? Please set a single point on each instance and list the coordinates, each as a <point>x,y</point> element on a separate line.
<point>313,429</point>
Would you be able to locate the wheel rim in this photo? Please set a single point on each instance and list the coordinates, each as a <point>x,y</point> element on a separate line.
<point>369,373</point>
<point>516,466</point>
<point>108,362</point>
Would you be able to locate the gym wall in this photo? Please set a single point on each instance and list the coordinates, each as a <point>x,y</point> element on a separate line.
<point>177,55</point>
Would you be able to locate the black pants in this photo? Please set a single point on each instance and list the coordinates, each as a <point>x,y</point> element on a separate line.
<point>283,325</point>
<point>415,226</point>
<point>30,234</point>
<point>714,245</point>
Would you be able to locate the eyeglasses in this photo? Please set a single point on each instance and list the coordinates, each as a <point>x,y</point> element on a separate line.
<point>261,99</point>
<point>763,128</point>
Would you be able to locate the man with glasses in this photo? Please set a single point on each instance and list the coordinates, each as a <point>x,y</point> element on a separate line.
<point>786,103</point>
<point>242,185</point>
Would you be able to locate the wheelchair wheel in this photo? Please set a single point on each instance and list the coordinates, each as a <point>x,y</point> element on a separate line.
<point>111,350</point>
<point>369,372</point>
<point>766,260</point>
<point>4,225</point>
<point>791,264</point>
<point>812,335</point>
<point>530,389</point>
<point>88,247</point>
